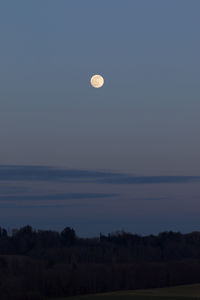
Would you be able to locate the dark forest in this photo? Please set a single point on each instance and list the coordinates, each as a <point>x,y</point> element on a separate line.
<point>45,264</point>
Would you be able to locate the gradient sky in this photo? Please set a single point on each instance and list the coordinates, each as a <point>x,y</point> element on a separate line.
<point>143,122</point>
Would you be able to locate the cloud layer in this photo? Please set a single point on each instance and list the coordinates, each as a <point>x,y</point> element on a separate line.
<point>48,174</point>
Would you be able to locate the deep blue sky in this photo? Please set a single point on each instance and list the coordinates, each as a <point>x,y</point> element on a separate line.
<point>144,121</point>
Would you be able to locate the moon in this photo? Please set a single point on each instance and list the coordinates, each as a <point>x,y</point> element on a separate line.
<point>97,81</point>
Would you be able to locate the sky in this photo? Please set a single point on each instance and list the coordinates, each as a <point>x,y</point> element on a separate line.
<point>122,156</point>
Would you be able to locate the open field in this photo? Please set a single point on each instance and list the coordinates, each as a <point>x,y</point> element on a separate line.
<point>186,292</point>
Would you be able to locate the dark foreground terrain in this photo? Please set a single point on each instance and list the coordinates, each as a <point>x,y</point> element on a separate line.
<point>36,265</point>
<point>185,292</point>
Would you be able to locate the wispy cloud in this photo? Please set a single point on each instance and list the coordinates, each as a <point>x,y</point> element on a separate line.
<point>126,179</point>
<point>68,196</point>
<point>53,174</point>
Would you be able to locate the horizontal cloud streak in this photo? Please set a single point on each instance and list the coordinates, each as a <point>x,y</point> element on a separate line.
<point>68,196</point>
<point>148,179</point>
<point>43,173</point>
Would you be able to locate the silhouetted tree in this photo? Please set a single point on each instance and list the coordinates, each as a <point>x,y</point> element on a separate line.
<point>68,236</point>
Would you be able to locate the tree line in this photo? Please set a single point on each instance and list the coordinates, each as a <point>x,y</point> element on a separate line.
<point>42,264</point>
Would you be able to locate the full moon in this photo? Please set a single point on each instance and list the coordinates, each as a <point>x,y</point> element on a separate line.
<point>97,81</point>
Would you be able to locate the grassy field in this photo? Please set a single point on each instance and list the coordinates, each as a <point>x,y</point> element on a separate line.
<point>186,292</point>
